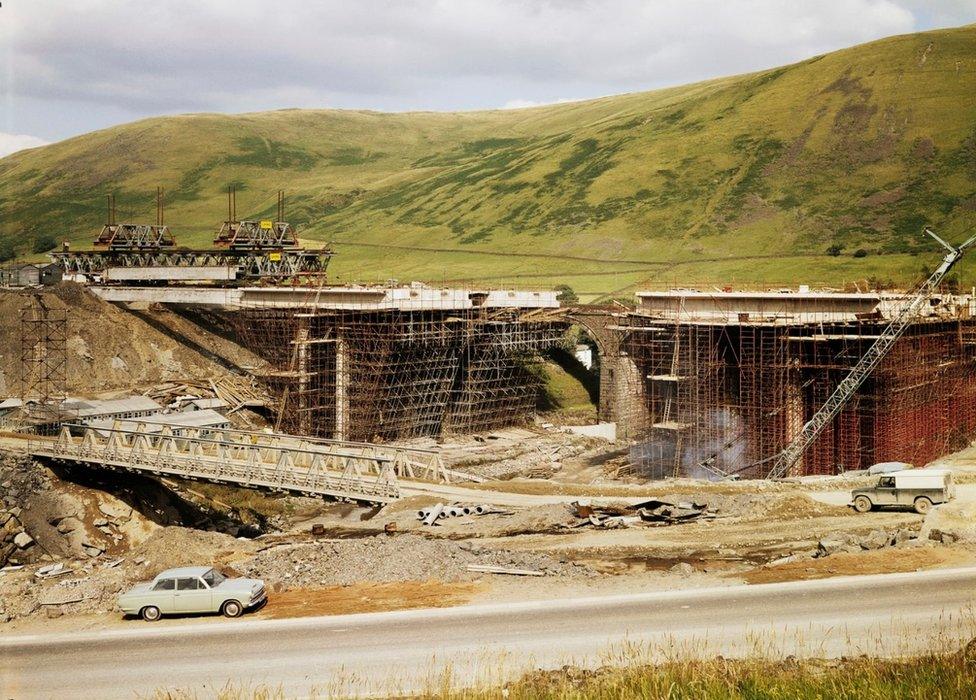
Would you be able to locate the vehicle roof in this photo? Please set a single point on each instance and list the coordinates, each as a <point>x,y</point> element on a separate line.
<point>184,571</point>
<point>919,472</point>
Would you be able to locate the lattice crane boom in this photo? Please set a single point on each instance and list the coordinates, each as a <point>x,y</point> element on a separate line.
<point>869,361</point>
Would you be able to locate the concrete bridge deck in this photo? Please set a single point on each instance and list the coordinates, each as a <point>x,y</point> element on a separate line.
<point>406,298</point>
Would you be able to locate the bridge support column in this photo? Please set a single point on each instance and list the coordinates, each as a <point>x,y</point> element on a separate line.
<point>302,368</point>
<point>341,390</point>
<point>606,410</point>
<point>622,395</point>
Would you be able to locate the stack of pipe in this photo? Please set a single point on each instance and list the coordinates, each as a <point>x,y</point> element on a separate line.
<point>434,513</point>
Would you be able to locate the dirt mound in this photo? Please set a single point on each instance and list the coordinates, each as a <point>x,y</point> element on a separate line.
<point>385,559</point>
<point>799,505</point>
<point>956,518</point>
<point>107,347</point>
<point>776,505</point>
<point>179,546</point>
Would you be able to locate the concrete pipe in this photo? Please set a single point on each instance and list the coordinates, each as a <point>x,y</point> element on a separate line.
<point>433,514</point>
<point>467,510</point>
<point>480,509</point>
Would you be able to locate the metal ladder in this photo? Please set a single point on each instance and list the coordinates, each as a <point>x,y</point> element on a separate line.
<point>869,361</point>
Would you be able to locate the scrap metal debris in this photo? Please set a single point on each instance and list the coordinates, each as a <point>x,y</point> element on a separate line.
<point>652,512</point>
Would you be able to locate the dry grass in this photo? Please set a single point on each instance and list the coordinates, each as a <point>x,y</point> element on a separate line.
<point>937,676</point>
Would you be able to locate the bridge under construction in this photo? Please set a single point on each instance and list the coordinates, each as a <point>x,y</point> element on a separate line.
<point>707,383</point>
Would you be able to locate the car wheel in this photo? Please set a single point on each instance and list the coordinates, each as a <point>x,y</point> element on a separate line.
<point>922,505</point>
<point>150,613</point>
<point>232,609</point>
<point>862,504</point>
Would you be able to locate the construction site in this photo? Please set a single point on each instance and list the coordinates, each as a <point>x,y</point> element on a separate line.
<point>163,405</point>
<point>720,383</point>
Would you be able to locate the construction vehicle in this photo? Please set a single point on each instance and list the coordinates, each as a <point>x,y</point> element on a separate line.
<point>915,488</point>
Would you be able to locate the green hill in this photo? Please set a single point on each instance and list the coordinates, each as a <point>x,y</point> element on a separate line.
<point>744,179</point>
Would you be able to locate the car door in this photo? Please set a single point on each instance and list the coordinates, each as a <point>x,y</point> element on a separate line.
<point>192,595</point>
<point>886,492</point>
<point>163,595</point>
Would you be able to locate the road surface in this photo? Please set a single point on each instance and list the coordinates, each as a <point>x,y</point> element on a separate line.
<point>888,614</point>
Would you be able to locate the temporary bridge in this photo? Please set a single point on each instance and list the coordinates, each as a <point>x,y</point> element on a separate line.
<point>355,471</point>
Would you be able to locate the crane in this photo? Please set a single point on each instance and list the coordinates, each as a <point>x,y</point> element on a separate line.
<point>869,361</point>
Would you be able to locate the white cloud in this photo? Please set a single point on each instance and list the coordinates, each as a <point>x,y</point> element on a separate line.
<point>89,63</point>
<point>11,143</point>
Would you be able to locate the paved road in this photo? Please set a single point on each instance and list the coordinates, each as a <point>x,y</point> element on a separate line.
<point>890,614</point>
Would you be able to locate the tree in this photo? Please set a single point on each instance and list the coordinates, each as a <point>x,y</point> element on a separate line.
<point>44,243</point>
<point>7,251</point>
<point>565,295</point>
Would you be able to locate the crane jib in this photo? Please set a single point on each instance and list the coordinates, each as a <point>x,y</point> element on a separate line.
<point>869,361</point>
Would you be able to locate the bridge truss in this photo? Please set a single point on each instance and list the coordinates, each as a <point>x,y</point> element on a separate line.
<point>269,461</point>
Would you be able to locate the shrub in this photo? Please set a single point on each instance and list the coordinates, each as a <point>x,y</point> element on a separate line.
<point>7,251</point>
<point>44,243</point>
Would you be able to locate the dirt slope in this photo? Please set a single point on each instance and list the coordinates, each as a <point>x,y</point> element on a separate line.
<point>108,349</point>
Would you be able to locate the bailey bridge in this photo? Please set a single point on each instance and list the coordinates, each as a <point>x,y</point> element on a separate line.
<point>276,462</point>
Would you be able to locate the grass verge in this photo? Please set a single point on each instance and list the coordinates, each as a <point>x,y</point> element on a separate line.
<point>946,677</point>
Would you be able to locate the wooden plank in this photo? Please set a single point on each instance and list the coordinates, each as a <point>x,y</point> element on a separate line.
<point>487,569</point>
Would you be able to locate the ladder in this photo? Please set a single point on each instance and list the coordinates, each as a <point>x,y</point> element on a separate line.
<point>869,361</point>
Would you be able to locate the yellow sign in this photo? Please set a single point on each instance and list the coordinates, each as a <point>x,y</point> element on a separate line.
<point>266,224</point>
<point>274,257</point>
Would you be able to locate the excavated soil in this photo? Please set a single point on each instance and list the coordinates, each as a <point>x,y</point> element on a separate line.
<point>107,347</point>
<point>368,597</point>
<point>881,561</point>
<point>386,559</point>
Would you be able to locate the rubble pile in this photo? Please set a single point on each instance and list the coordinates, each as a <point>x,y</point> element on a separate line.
<point>18,480</point>
<point>78,588</point>
<point>876,539</point>
<point>507,455</point>
<point>384,559</point>
<point>950,522</point>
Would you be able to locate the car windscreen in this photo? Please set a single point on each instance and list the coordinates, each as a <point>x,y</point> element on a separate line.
<point>214,578</point>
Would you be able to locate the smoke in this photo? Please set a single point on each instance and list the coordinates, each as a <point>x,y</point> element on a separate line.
<point>716,440</point>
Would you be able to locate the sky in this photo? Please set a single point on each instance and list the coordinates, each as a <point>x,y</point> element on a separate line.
<point>72,66</point>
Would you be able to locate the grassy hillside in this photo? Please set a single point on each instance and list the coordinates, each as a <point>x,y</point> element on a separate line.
<point>744,179</point>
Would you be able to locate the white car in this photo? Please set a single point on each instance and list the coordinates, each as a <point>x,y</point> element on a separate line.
<point>192,589</point>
